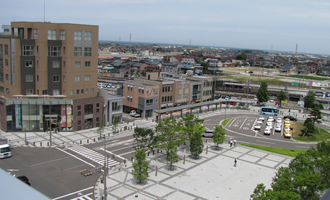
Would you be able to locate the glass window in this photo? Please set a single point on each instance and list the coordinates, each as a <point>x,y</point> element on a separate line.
<point>29,78</point>
<point>7,77</point>
<point>185,86</point>
<point>29,91</point>
<point>86,91</point>
<point>185,96</point>
<point>78,91</point>
<point>79,113</point>
<point>77,35</point>
<point>63,92</point>
<point>88,51</point>
<point>44,92</point>
<point>63,78</point>
<point>56,64</point>
<point>6,49</point>
<point>87,63</point>
<point>87,77</point>
<point>78,51</point>
<point>82,91</point>
<point>92,90</point>
<point>77,64</point>
<point>0,48</point>
<point>88,36</point>
<point>71,92</point>
<point>6,62</point>
<point>62,34</point>
<point>155,91</point>
<point>97,104</point>
<point>63,64</point>
<point>27,50</point>
<point>35,34</point>
<point>37,77</point>
<point>7,90</point>
<point>56,92</point>
<point>56,78</point>
<point>28,63</point>
<point>179,96</point>
<point>77,78</point>
<point>51,34</point>
<point>54,51</point>
<point>180,87</point>
<point>88,109</point>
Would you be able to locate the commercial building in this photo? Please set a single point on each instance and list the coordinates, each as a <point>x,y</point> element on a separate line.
<point>112,108</point>
<point>48,77</point>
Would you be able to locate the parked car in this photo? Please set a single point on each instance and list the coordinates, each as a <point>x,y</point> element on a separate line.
<point>24,179</point>
<point>271,100</point>
<point>279,120</point>
<point>259,121</point>
<point>262,117</point>
<point>287,134</point>
<point>267,131</point>
<point>217,96</point>
<point>208,133</point>
<point>270,119</point>
<point>232,103</point>
<point>239,98</point>
<point>251,72</point>
<point>133,113</point>
<point>290,117</point>
<point>257,127</point>
<point>255,98</point>
<point>277,103</point>
<point>278,128</point>
<point>223,96</point>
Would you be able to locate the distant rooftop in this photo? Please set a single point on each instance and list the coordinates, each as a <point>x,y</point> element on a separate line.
<point>139,83</point>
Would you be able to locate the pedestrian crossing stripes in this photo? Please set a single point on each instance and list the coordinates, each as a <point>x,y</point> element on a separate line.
<point>85,197</point>
<point>92,155</point>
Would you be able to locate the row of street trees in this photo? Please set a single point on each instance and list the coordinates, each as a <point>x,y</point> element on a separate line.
<point>169,135</point>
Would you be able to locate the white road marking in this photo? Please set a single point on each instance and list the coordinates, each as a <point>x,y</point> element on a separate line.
<point>232,122</point>
<point>302,147</point>
<point>72,167</point>
<point>265,142</point>
<point>254,143</point>
<point>253,124</point>
<point>84,197</point>
<point>76,157</point>
<point>50,161</point>
<point>126,153</point>
<point>73,193</point>
<point>243,123</point>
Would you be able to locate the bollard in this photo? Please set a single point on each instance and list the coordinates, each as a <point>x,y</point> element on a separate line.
<point>207,147</point>
<point>157,150</point>
<point>127,122</point>
<point>27,143</point>
<point>131,159</point>
<point>148,153</point>
<point>108,134</point>
<point>34,143</point>
<point>133,124</point>
<point>80,142</point>
<point>156,170</point>
<point>94,139</point>
<point>206,141</point>
<point>41,144</point>
<point>87,140</point>
<point>147,118</point>
<point>113,132</point>
<point>125,162</point>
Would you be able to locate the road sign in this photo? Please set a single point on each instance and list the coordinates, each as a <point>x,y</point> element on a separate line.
<point>294,83</point>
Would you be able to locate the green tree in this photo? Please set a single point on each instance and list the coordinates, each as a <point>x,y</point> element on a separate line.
<point>242,56</point>
<point>316,115</point>
<point>308,127</point>
<point>263,93</point>
<point>260,193</point>
<point>115,124</point>
<point>100,130</point>
<point>309,99</point>
<point>169,137</point>
<point>144,138</point>
<point>281,97</point>
<point>193,130</point>
<point>219,135</point>
<point>307,175</point>
<point>205,67</point>
<point>140,166</point>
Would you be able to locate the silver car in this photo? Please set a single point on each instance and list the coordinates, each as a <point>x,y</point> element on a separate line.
<point>208,133</point>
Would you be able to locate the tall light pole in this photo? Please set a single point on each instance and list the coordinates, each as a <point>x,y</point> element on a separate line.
<point>50,124</point>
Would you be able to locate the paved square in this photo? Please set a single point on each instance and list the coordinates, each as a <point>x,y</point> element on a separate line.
<point>159,190</point>
<point>122,192</point>
<point>179,196</point>
<point>249,158</point>
<point>268,163</point>
<point>274,158</point>
<point>258,153</point>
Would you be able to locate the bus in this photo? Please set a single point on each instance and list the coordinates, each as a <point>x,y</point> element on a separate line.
<point>269,110</point>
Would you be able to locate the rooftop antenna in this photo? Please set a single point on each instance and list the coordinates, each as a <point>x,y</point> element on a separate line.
<point>271,51</point>
<point>190,42</point>
<point>119,39</point>
<point>130,38</point>
<point>44,11</point>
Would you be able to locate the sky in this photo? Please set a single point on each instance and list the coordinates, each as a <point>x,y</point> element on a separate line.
<point>254,24</point>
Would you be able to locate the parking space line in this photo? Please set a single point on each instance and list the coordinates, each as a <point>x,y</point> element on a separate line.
<point>253,124</point>
<point>243,123</point>
<point>73,193</point>
<point>232,122</point>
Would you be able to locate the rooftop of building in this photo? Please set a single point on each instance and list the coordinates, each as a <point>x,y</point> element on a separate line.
<point>114,97</point>
<point>139,83</point>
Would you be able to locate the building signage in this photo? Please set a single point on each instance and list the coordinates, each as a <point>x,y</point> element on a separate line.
<point>63,116</point>
<point>294,83</point>
<point>317,84</point>
<point>163,105</point>
<point>69,116</point>
<point>18,117</point>
<point>319,94</point>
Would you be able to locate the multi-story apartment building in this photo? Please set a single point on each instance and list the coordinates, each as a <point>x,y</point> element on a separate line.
<point>48,77</point>
<point>139,96</point>
<point>181,91</point>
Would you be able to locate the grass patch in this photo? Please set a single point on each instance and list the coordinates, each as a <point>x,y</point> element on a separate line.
<point>286,152</point>
<point>316,137</point>
<point>306,77</point>
<point>225,122</point>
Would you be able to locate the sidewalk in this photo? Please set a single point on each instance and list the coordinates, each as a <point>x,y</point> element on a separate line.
<point>213,176</point>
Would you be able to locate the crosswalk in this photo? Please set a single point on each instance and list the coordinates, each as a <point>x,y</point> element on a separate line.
<point>92,155</point>
<point>84,197</point>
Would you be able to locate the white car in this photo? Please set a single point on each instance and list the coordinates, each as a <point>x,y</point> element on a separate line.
<point>270,119</point>
<point>269,126</point>
<point>255,98</point>
<point>257,127</point>
<point>262,117</point>
<point>267,131</point>
<point>269,123</point>
<point>279,120</point>
<point>271,100</point>
<point>278,128</point>
<point>259,121</point>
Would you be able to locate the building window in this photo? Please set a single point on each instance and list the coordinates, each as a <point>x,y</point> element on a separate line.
<point>155,91</point>
<point>28,63</point>
<point>54,51</point>
<point>79,122</point>
<point>56,92</point>
<point>88,36</point>
<point>7,77</point>
<point>86,91</point>
<point>88,109</point>
<point>170,98</point>
<point>44,92</point>
<point>79,107</point>
<point>2,89</point>
<point>77,64</point>
<point>37,49</point>
<point>128,98</point>
<point>6,62</point>
<point>29,78</point>
<point>87,77</point>
<point>56,64</point>
<point>37,92</point>
<point>77,35</point>
<point>78,91</point>
<point>37,77</point>
<point>77,51</point>
<point>82,91</point>
<point>71,92</point>
<point>51,34</point>
<point>79,113</point>
<point>88,51</point>
<point>142,90</point>
<point>97,119</point>
<point>63,50</point>
<point>56,78</point>
<point>6,49</point>
<point>149,102</point>
<point>97,110</point>
<point>162,99</point>
<point>92,90</point>
<point>79,127</point>
<point>62,34</point>
<point>185,86</point>
<point>168,88</point>
<point>185,96</point>
<point>27,50</point>
<point>77,78</point>
<point>37,63</point>
<point>179,96</point>
<point>63,78</point>
<point>0,48</point>
<point>35,34</point>
<point>87,63</point>
<point>63,64</point>
<point>180,86</point>
<point>63,92</point>
<point>29,91</point>
<point>7,90</point>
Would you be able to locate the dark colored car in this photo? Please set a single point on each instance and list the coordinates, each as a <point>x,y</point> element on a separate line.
<point>24,179</point>
<point>217,96</point>
<point>290,117</point>
<point>251,72</point>
<point>223,96</point>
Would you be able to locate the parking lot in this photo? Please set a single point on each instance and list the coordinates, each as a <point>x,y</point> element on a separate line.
<point>246,125</point>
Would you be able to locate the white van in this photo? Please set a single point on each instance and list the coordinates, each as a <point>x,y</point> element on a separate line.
<point>5,151</point>
<point>208,133</point>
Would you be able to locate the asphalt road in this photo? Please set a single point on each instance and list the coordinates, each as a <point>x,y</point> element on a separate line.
<point>56,172</point>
